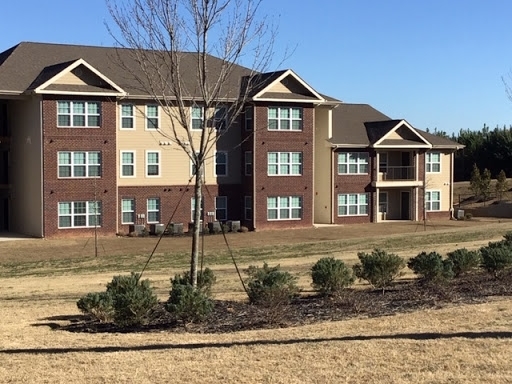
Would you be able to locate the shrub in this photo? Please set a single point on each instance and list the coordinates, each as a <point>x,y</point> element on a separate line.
<point>379,268</point>
<point>188,304</point>
<point>496,257</point>
<point>431,266</point>
<point>508,238</point>
<point>205,280</point>
<point>132,299</point>
<point>330,275</point>
<point>99,305</point>
<point>464,261</point>
<point>270,285</point>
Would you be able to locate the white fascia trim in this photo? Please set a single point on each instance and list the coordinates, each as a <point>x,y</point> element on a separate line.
<point>71,93</point>
<point>73,66</point>
<point>403,146</point>
<point>361,146</point>
<point>287,73</point>
<point>301,101</point>
<point>403,122</point>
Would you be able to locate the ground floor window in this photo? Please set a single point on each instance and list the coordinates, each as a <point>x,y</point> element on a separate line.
<point>128,211</point>
<point>353,204</point>
<point>221,208</point>
<point>248,207</point>
<point>433,200</point>
<point>284,208</point>
<point>79,214</point>
<point>153,210</point>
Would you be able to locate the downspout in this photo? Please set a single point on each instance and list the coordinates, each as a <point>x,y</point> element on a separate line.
<point>254,173</point>
<point>452,213</point>
<point>41,169</point>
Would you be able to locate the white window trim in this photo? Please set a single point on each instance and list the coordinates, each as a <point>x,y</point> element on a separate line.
<point>159,164</point>
<point>358,205</point>
<point>86,165</point>
<point>215,164</point>
<point>148,211</point>
<point>86,214</point>
<point>192,118</point>
<point>290,164</point>
<point>430,191</point>
<point>358,163</point>
<point>133,212</point>
<point>86,114</point>
<point>134,164</point>
<point>248,154</point>
<point>290,208</point>
<point>290,119</point>
<point>225,198</point>
<point>134,109</point>
<point>430,162</point>
<point>247,207</point>
<point>158,117</point>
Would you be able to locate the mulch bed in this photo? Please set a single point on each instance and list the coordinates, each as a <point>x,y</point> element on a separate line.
<point>232,316</point>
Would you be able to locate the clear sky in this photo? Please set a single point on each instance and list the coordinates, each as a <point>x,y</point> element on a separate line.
<point>436,63</point>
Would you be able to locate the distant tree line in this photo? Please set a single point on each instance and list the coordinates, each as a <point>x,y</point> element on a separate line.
<point>488,149</point>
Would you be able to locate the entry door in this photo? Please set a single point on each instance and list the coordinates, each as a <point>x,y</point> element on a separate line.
<point>4,214</point>
<point>405,205</point>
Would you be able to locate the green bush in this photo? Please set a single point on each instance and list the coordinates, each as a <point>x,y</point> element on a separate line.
<point>379,268</point>
<point>331,276</point>
<point>99,305</point>
<point>188,304</point>
<point>464,261</point>
<point>508,238</point>
<point>431,266</point>
<point>270,285</point>
<point>205,280</point>
<point>133,299</point>
<point>496,257</point>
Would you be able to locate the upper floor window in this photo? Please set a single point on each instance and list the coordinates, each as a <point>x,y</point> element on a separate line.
<point>78,114</point>
<point>383,162</point>
<point>353,204</point>
<point>221,208</point>
<point>79,214</point>
<point>284,163</point>
<point>220,118</point>
<point>433,200</point>
<point>127,163</point>
<point>152,117</point>
<point>284,208</point>
<point>284,119</point>
<point>433,162</point>
<point>352,163</point>
<point>221,163</point>
<point>152,163</point>
<point>249,118</point>
<point>127,116</point>
<point>196,116</point>
<point>248,163</point>
<point>79,164</point>
<point>153,210</point>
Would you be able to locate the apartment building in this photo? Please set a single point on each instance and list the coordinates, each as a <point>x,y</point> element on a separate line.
<point>83,149</point>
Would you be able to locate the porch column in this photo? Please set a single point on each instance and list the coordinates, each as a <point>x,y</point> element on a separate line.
<point>416,202</point>
<point>376,210</point>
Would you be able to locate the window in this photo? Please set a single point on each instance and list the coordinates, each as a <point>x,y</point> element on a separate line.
<point>78,114</point>
<point>353,204</point>
<point>221,208</point>
<point>128,211</point>
<point>249,118</point>
<point>352,163</point>
<point>152,118</point>
<point>383,202</point>
<point>433,200</point>
<point>284,208</point>
<point>248,163</point>
<point>127,116</point>
<point>127,163</point>
<point>153,164</point>
<point>153,210</point>
<point>196,115</point>
<point>79,214</point>
<point>79,164</point>
<point>284,163</point>
<point>383,162</point>
<point>284,119</point>
<point>193,209</point>
<point>433,162</point>
<point>248,207</point>
<point>220,118</point>
<point>221,163</point>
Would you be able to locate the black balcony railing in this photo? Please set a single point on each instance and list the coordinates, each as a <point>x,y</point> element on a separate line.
<point>398,173</point>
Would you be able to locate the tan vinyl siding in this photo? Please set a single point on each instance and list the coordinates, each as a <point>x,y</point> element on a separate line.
<point>80,76</point>
<point>322,171</point>
<point>441,181</point>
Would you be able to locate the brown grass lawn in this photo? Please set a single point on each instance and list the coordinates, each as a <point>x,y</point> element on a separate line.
<point>40,281</point>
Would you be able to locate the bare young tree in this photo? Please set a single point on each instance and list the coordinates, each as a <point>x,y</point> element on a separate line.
<point>187,53</point>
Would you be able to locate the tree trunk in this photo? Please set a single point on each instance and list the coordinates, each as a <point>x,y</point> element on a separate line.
<point>198,196</point>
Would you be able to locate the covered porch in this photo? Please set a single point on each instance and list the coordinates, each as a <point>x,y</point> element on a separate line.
<point>398,203</point>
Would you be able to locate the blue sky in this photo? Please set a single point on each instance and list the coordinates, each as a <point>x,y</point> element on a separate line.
<point>436,63</point>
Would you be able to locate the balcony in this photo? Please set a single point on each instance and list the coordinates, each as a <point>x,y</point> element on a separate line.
<point>397,173</point>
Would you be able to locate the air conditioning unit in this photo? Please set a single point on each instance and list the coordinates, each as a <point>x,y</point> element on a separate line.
<point>175,229</point>
<point>137,228</point>
<point>157,229</point>
<point>233,225</point>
